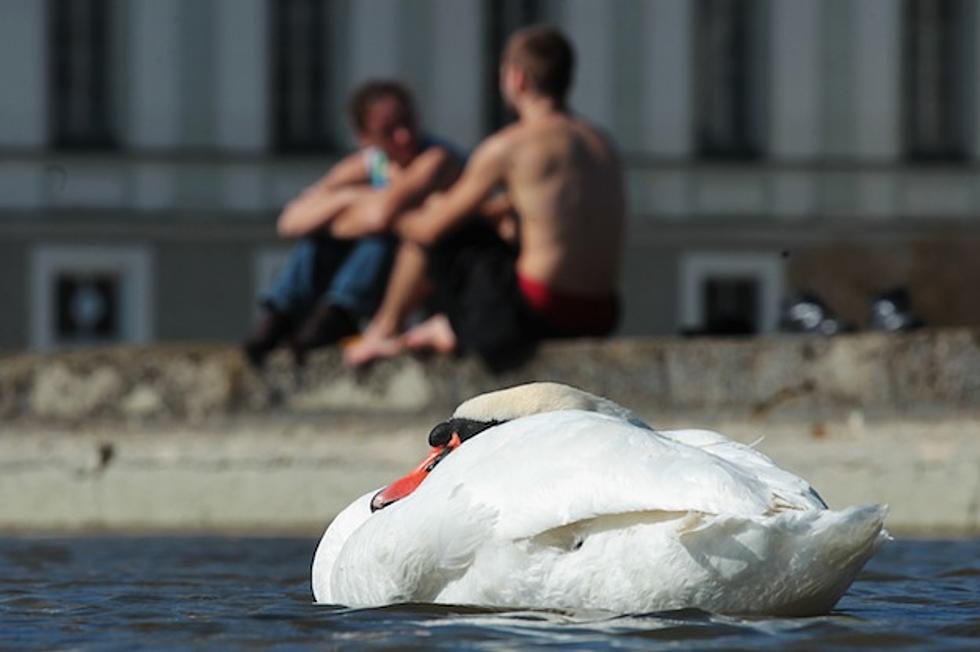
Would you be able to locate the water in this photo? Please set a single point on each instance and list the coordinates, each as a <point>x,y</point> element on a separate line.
<point>130,593</point>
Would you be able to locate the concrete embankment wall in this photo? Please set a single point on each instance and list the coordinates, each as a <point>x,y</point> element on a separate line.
<point>190,438</point>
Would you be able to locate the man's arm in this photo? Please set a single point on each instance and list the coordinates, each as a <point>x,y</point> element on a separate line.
<point>484,172</point>
<point>431,170</point>
<point>344,184</point>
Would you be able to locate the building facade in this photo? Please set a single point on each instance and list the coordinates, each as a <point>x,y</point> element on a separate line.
<point>772,146</point>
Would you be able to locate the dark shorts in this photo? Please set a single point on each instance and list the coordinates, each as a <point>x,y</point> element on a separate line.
<point>474,272</point>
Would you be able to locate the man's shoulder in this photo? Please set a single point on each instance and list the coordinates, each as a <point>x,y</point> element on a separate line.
<point>504,139</point>
<point>596,130</point>
<point>520,138</point>
<point>513,131</point>
<point>520,133</point>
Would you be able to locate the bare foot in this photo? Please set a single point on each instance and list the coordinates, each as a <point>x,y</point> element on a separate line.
<point>371,347</point>
<point>434,333</point>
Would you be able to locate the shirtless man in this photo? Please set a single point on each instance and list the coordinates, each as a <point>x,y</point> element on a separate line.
<point>331,281</point>
<point>563,179</point>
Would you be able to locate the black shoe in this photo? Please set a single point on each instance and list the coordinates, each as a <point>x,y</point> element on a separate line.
<point>272,330</point>
<point>327,326</point>
<point>805,312</point>
<point>892,311</point>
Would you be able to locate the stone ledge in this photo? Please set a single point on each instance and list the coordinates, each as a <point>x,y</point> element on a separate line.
<point>274,474</point>
<point>929,371</point>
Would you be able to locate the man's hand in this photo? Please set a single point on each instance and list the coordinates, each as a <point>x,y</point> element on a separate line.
<point>371,214</point>
<point>315,207</point>
<point>431,170</point>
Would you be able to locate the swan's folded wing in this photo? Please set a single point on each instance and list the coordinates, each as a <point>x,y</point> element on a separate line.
<point>790,492</point>
<point>549,470</point>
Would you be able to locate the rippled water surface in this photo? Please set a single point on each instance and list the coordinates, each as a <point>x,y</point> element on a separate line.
<point>130,593</point>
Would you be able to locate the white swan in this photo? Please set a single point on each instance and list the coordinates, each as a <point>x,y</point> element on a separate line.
<point>546,496</point>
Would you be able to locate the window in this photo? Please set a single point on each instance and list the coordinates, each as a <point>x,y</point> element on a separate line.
<point>936,83</point>
<point>86,306</point>
<point>79,80</point>
<point>728,48</point>
<point>90,295</point>
<point>299,75</point>
<point>731,305</point>
<point>730,294</point>
<point>504,17</point>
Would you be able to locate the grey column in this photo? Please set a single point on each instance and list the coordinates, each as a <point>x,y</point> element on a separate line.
<point>23,69</point>
<point>374,39</point>
<point>796,91</point>
<point>154,98</point>
<point>242,97</point>
<point>457,77</point>
<point>877,108</point>
<point>153,103</point>
<point>666,94</point>
<point>590,26</point>
<point>23,110</point>
<point>877,64</point>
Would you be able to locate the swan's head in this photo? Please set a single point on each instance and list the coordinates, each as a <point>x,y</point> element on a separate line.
<point>487,410</point>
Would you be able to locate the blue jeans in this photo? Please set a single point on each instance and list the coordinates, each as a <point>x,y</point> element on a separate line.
<point>351,274</point>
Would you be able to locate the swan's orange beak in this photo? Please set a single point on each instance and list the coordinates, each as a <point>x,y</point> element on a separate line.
<point>406,485</point>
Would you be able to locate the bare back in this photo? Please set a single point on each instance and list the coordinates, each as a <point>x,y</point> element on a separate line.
<point>565,182</point>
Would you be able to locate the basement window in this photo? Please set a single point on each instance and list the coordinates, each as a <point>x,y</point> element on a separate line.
<point>730,294</point>
<point>89,296</point>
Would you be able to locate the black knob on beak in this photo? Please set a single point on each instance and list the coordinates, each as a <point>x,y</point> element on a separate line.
<point>441,435</point>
